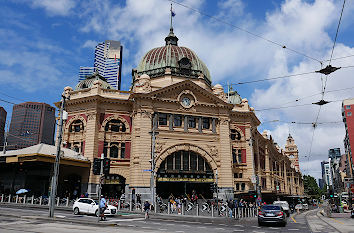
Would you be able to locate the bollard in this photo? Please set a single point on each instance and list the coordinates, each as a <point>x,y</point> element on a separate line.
<point>197,209</point>
<point>182,209</point>
<point>2,197</point>
<point>235,212</point>
<point>168,208</point>
<point>40,200</point>
<point>119,205</point>
<point>212,210</point>
<point>16,199</point>
<point>9,198</point>
<point>58,199</point>
<point>24,199</point>
<point>67,201</point>
<point>130,205</point>
<point>32,200</point>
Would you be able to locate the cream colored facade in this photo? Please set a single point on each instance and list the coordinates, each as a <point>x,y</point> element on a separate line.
<point>211,139</point>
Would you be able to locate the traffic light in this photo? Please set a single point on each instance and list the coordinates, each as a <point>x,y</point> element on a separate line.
<point>106,166</point>
<point>96,166</point>
<point>331,193</point>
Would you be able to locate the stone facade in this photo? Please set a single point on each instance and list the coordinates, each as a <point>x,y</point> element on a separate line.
<point>189,115</point>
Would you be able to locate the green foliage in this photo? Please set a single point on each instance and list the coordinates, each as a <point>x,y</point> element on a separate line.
<point>311,187</point>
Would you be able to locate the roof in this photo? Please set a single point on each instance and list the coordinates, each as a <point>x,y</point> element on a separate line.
<point>182,61</point>
<point>45,149</point>
<point>90,80</point>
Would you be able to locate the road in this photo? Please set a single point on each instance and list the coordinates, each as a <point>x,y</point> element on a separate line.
<point>36,220</point>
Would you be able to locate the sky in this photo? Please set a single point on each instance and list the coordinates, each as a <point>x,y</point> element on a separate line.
<point>43,43</point>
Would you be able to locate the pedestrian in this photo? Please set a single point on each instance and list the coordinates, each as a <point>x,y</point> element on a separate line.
<point>231,206</point>
<point>146,209</point>
<point>102,206</point>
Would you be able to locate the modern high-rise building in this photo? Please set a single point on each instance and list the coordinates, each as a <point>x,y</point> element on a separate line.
<point>31,123</point>
<point>108,63</point>
<point>85,72</point>
<point>334,153</point>
<point>347,107</point>
<point>108,57</point>
<point>3,114</point>
<point>326,175</point>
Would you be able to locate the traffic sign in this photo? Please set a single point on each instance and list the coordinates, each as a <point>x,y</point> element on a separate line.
<point>189,206</point>
<point>147,170</point>
<point>223,208</point>
<point>204,207</point>
<point>254,179</point>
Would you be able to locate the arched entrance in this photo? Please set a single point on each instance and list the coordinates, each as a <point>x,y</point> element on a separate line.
<point>183,172</point>
<point>113,186</point>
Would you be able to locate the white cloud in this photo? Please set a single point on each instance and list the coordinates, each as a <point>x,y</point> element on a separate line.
<point>55,7</point>
<point>91,44</point>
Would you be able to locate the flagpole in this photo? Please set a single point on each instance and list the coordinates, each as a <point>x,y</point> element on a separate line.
<point>171,15</point>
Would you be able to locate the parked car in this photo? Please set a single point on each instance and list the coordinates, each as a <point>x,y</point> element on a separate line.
<point>272,214</point>
<point>305,206</point>
<point>90,206</point>
<point>284,205</point>
<point>299,207</point>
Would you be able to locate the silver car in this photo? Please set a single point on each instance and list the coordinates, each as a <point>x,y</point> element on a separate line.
<point>272,214</point>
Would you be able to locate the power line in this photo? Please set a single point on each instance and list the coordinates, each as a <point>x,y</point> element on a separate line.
<point>2,93</point>
<point>335,39</point>
<point>292,106</point>
<point>244,30</point>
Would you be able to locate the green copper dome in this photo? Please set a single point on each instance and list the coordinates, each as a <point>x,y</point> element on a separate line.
<point>181,60</point>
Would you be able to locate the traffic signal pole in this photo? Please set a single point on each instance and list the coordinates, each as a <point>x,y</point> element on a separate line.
<point>100,187</point>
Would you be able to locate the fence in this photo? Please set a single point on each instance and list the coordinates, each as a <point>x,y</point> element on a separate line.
<point>199,208</point>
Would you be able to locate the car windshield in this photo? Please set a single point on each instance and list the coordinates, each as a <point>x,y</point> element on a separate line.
<point>271,207</point>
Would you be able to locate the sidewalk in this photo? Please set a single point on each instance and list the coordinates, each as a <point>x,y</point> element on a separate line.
<point>340,221</point>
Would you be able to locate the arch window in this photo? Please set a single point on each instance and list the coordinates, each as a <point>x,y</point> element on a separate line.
<point>114,152</point>
<point>115,126</point>
<point>76,126</point>
<point>235,135</point>
<point>185,162</point>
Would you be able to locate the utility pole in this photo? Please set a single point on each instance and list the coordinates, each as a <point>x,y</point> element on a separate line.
<point>153,139</point>
<point>53,190</point>
<point>100,187</point>
<point>5,139</point>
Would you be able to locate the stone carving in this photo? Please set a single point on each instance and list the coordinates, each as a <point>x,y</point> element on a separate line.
<point>142,84</point>
<point>158,146</point>
<point>213,150</point>
<point>218,90</point>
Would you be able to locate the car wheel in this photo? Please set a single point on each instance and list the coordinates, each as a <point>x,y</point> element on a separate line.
<point>96,213</point>
<point>76,211</point>
<point>283,224</point>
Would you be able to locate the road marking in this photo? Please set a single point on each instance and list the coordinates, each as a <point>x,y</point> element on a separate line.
<point>222,225</point>
<point>128,220</point>
<point>208,223</point>
<point>293,229</point>
<point>293,219</point>
<point>274,228</point>
<point>147,227</point>
<point>162,229</point>
<point>219,228</point>
<point>169,224</point>
<point>131,225</point>
<point>238,230</point>
<point>336,220</point>
<point>180,231</point>
<point>238,226</point>
<point>202,227</point>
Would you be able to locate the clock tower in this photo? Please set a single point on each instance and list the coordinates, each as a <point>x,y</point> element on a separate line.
<point>292,152</point>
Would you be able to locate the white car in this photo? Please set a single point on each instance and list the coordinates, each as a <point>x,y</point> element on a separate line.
<point>306,206</point>
<point>299,207</point>
<point>284,205</point>
<point>90,206</point>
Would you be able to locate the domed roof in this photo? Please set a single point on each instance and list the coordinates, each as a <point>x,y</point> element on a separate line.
<point>181,60</point>
<point>90,80</point>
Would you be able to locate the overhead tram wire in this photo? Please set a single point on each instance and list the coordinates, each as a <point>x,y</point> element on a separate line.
<point>244,30</point>
<point>292,106</point>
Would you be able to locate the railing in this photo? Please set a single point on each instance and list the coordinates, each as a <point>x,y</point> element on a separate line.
<point>188,208</point>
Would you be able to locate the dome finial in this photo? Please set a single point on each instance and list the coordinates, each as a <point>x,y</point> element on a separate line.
<point>171,38</point>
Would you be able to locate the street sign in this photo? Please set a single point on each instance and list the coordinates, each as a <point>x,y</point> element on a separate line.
<point>147,170</point>
<point>254,179</point>
<point>223,208</point>
<point>277,188</point>
<point>204,207</point>
<point>189,206</point>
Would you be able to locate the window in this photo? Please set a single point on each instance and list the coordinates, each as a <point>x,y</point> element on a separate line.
<point>193,162</point>
<point>235,175</point>
<point>234,159</point>
<point>185,160</point>
<point>177,120</point>
<point>243,186</point>
<point>162,119</point>
<point>115,126</point>
<point>349,113</point>
<point>206,123</point>
<point>192,122</point>
<point>114,152</point>
<point>239,156</point>
<point>235,135</point>
<point>237,186</point>
<point>240,175</point>
<point>178,160</point>
<point>122,150</point>
<point>347,107</point>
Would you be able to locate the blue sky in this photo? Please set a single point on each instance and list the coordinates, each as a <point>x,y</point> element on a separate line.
<point>43,43</point>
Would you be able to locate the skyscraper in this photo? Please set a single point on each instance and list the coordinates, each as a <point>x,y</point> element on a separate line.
<point>31,123</point>
<point>85,72</point>
<point>3,114</point>
<point>108,63</point>
<point>347,114</point>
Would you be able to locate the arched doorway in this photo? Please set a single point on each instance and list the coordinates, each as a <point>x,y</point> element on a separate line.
<point>183,172</point>
<point>113,186</point>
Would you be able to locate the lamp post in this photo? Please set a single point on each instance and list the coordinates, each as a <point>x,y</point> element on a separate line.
<point>153,140</point>
<point>54,184</point>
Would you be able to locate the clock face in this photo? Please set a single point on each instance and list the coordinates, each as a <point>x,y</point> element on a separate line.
<point>186,101</point>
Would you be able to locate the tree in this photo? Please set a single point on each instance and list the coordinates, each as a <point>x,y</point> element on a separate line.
<point>311,188</point>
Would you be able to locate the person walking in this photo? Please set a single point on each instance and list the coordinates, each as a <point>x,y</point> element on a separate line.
<point>146,209</point>
<point>231,206</point>
<point>102,206</point>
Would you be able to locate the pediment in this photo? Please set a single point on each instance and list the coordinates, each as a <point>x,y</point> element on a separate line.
<point>174,92</point>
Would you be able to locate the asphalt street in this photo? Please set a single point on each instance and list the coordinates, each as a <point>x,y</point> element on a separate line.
<point>36,220</point>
